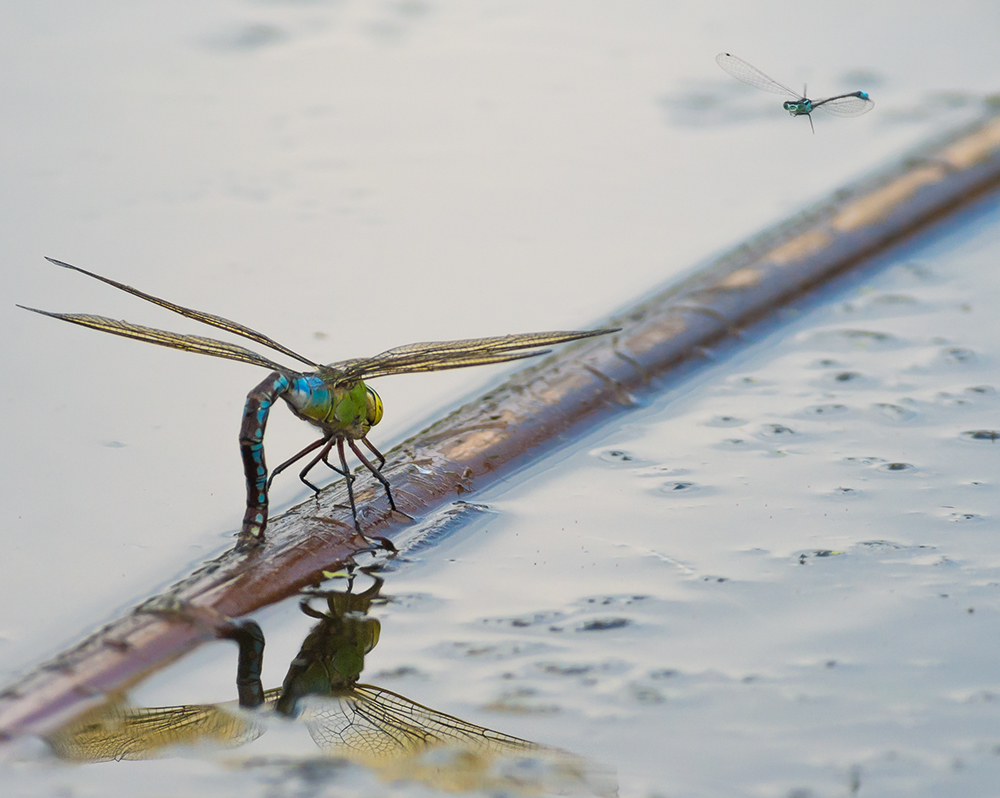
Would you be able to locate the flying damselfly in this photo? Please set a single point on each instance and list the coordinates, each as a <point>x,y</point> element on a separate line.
<point>333,397</point>
<point>853,104</point>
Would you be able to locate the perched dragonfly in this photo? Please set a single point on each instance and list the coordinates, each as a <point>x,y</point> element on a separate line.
<point>333,397</point>
<point>853,104</point>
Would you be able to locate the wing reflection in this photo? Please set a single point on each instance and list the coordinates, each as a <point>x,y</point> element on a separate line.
<point>117,731</point>
<point>368,725</point>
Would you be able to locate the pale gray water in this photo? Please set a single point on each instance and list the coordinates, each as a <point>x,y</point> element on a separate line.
<point>265,160</point>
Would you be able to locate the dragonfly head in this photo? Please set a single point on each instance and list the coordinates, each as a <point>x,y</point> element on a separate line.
<point>799,107</point>
<point>373,403</point>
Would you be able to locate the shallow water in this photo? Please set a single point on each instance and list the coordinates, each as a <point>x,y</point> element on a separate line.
<point>776,575</point>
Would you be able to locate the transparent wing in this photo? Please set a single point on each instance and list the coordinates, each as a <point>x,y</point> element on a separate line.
<point>374,726</point>
<point>150,335</point>
<point>408,742</point>
<point>853,104</point>
<point>441,355</point>
<point>748,73</point>
<point>206,318</point>
<point>117,731</point>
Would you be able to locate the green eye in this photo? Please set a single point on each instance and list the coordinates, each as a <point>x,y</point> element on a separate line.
<point>374,409</point>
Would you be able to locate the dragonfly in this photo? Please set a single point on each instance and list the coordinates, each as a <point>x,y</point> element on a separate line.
<point>334,397</point>
<point>853,104</point>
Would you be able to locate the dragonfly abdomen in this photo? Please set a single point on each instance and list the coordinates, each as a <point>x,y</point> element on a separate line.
<point>255,413</point>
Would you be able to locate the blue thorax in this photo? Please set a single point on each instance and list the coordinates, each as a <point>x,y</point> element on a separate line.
<point>309,397</point>
<point>799,107</point>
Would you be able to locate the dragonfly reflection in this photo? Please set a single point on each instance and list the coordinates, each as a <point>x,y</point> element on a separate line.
<point>368,725</point>
<point>853,104</point>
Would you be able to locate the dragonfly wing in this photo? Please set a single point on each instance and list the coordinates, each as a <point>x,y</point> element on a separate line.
<point>383,366</point>
<point>116,731</point>
<point>206,318</point>
<point>441,355</point>
<point>406,741</point>
<point>150,335</point>
<point>853,104</point>
<point>373,726</point>
<point>748,73</point>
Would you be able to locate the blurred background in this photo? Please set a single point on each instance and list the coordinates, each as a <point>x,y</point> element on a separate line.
<point>347,177</point>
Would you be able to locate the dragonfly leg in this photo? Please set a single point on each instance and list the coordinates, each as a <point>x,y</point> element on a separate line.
<point>350,484</point>
<point>306,609</point>
<point>294,458</point>
<point>255,413</point>
<point>376,472</point>
<point>378,454</point>
<point>383,542</point>
<point>342,471</point>
<point>312,464</point>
